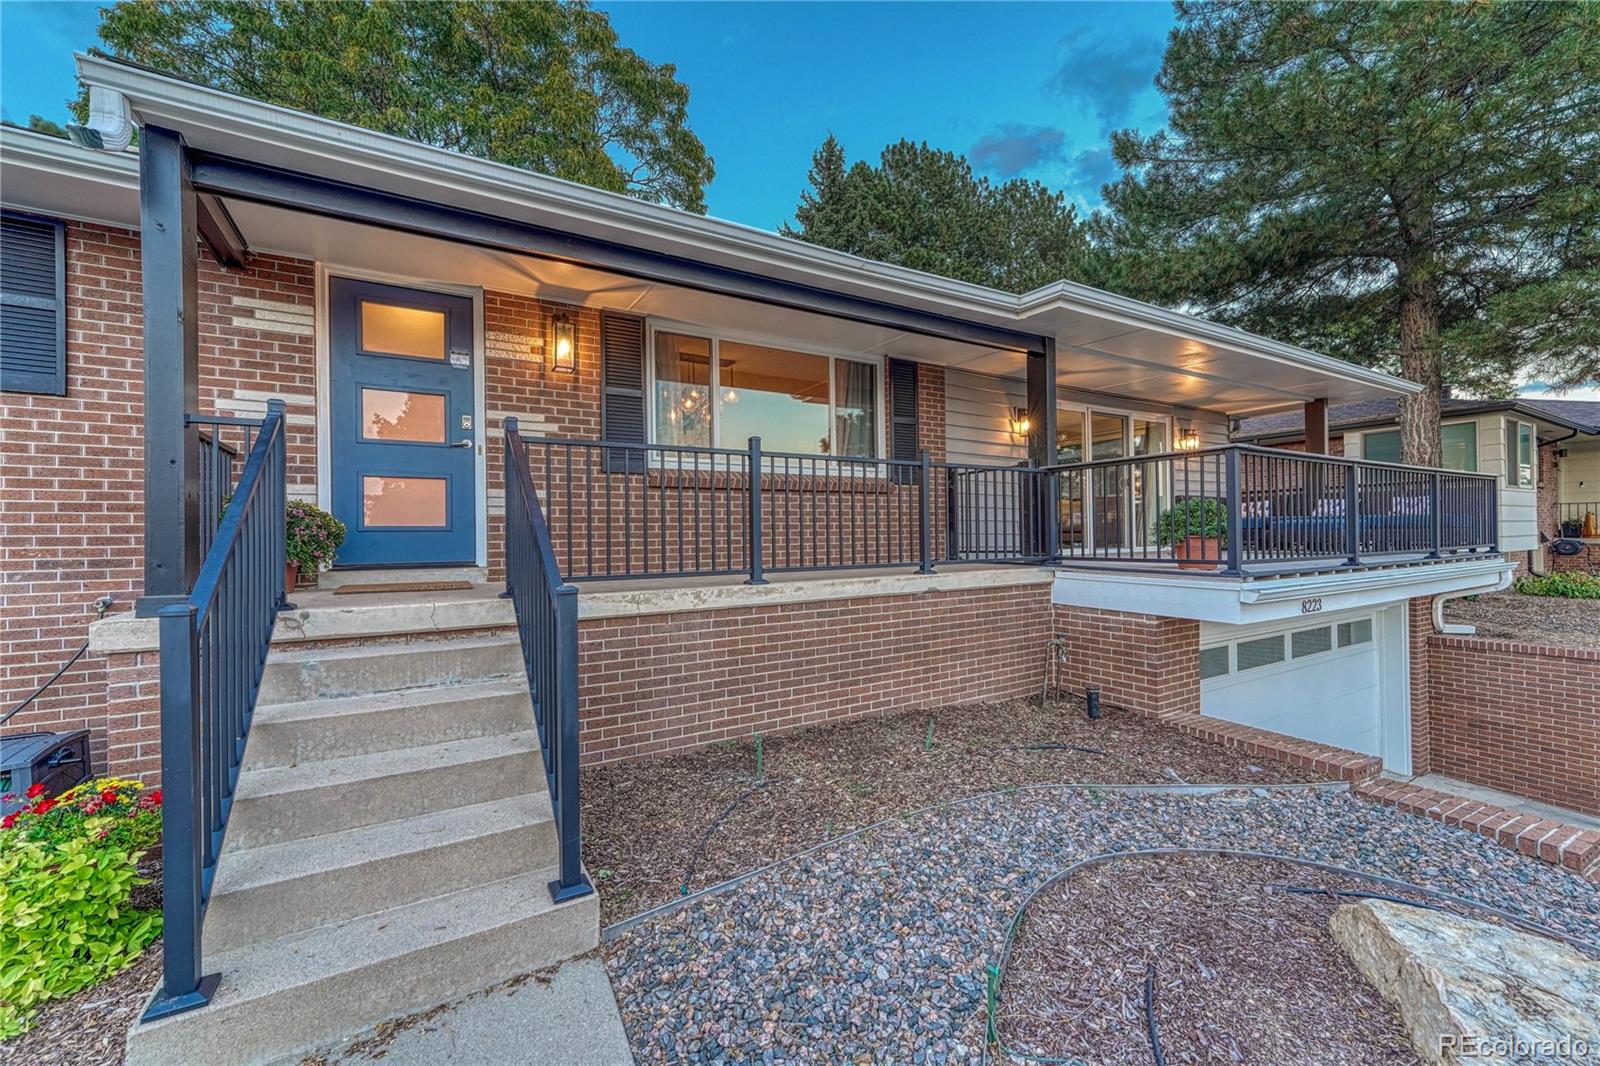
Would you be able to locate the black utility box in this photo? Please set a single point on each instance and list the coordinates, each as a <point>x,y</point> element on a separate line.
<point>55,760</point>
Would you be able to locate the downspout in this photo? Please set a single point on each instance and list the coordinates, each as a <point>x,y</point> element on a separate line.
<point>110,126</point>
<point>1456,629</point>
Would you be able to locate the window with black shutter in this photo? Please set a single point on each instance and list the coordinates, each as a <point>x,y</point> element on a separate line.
<point>903,415</point>
<point>33,305</point>
<point>622,387</point>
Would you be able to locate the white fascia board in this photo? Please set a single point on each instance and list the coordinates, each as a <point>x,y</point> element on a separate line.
<point>108,179</point>
<point>344,152</point>
<point>1238,601</point>
<point>1082,299</point>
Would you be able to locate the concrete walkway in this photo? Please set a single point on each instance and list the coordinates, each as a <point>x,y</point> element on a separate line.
<point>566,1016</point>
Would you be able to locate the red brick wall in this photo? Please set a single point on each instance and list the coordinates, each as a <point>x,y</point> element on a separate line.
<point>1517,717</point>
<point>1419,627</point>
<point>1587,560</point>
<point>1143,662</point>
<point>71,467</point>
<point>1546,505</point>
<point>667,682</point>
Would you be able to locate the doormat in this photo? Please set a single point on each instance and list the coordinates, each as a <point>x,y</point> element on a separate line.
<point>401,586</point>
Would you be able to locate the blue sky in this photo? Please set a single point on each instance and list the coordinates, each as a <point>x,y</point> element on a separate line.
<point>1027,90</point>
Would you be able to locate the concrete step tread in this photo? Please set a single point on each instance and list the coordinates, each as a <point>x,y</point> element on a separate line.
<point>379,702</point>
<point>244,869</point>
<point>309,955</point>
<point>350,769</point>
<point>362,651</point>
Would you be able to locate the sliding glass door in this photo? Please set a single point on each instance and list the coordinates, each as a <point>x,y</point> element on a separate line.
<point>1111,508</point>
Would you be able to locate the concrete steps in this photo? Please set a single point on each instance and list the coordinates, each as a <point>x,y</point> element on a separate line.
<point>390,849</point>
<point>306,988</point>
<point>288,734</point>
<point>276,889</point>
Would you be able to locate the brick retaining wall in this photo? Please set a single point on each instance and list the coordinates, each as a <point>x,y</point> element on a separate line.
<point>668,682</point>
<point>1522,718</point>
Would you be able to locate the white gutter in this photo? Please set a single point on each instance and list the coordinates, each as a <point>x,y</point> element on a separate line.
<point>281,132</point>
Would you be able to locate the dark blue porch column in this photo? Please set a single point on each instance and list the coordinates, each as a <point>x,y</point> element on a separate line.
<point>1042,439</point>
<point>171,370</point>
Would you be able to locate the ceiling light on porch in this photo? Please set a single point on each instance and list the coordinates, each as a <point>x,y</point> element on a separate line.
<point>563,344</point>
<point>1021,424</point>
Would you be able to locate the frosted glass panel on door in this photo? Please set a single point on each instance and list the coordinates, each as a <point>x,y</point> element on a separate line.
<point>389,329</point>
<point>407,416</point>
<point>404,501</point>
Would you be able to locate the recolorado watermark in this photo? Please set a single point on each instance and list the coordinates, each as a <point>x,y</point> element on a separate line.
<point>1475,1046</point>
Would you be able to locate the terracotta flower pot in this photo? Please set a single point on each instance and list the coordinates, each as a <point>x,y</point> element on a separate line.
<point>1198,553</point>
<point>291,575</point>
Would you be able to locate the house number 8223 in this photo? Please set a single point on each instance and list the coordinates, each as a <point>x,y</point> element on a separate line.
<point>1311,606</point>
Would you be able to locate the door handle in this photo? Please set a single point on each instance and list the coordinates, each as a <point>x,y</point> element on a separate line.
<point>462,443</point>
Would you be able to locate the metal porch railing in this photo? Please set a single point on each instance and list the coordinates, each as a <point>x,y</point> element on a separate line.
<point>547,626</point>
<point>1579,518</point>
<point>213,649</point>
<point>659,510</point>
<point>1281,509</point>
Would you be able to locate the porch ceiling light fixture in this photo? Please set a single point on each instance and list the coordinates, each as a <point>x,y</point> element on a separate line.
<point>563,346</point>
<point>1021,424</point>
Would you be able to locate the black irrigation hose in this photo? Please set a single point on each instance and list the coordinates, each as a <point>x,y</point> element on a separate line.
<point>996,971</point>
<point>716,823</point>
<point>1150,1015</point>
<point>1054,747</point>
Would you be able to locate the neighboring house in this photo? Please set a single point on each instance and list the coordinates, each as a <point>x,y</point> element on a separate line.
<point>1545,452</point>
<point>270,304</point>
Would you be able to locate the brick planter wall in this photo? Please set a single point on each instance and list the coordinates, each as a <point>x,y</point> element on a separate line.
<point>1517,717</point>
<point>668,682</point>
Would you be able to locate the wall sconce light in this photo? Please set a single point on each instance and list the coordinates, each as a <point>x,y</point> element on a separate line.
<point>1021,424</point>
<point>1188,440</point>
<point>563,344</point>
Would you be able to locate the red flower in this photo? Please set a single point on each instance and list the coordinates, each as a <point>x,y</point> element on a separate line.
<point>155,797</point>
<point>9,820</point>
<point>43,805</point>
<point>108,796</point>
<point>35,790</point>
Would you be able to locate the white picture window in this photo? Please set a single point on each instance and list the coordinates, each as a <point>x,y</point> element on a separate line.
<point>709,391</point>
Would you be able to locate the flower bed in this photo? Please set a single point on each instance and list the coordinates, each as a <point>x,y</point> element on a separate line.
<point>68,867</point>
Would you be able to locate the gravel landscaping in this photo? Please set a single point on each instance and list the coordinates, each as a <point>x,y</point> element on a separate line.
<point>875,947</point>
<point>1548,620</point>
<point>1239,972</point>
<point>648,824</point>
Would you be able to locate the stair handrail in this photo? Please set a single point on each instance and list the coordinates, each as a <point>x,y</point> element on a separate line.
<point>213,650</point>
<point>546,609</point>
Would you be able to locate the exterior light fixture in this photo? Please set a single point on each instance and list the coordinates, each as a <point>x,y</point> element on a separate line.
<point>1021,424</point>
<point>1188,440</point>
<point>563,344</point>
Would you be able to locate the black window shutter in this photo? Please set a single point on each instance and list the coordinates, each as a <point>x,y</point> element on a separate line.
<point>33,305</point>
<point>903,415</point>
<point>622,388</point>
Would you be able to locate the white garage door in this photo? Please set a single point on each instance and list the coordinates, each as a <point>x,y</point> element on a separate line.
<point>1330,681</point>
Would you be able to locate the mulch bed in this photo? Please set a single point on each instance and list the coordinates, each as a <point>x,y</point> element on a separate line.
<point>1547,620</point>
<point>91,1027</point>
<point>1243,974</point>
<point>646,821</point>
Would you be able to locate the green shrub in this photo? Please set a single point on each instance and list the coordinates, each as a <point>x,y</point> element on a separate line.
<point>1573,586</point>
<point>313,536</point>
<point>1200,516</point>
<point>67,866</point>
<point>65,922</point>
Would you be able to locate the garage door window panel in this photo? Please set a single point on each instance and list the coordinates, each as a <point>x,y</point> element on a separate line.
<point>1263,651</point>
<point>1310,642</point>
<point>1214,662</point>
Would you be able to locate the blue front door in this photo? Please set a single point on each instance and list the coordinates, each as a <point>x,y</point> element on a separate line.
<point>401,423</point>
